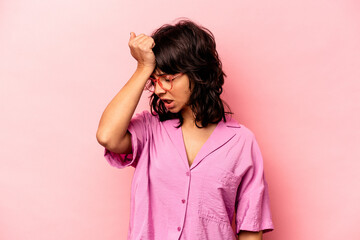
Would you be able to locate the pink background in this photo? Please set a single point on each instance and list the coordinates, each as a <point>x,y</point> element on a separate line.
<point>293,79</point>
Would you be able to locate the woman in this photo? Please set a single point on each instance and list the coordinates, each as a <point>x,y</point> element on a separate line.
<point>195,167</point>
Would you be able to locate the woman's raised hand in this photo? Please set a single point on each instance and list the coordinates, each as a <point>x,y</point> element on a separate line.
<point>141,49</point>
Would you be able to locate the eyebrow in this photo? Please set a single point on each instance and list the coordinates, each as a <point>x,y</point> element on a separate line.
<point>160,74</point>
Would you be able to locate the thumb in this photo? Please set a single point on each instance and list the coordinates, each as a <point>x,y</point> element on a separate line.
<point>132,35</point>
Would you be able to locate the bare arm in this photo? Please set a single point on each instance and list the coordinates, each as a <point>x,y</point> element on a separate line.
<point>247,235</point>
<point>112,130</point>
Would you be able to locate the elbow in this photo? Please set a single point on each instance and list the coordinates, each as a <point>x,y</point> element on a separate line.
<point>102,139</point>
<point>249,235</point>
<point>114,145</point>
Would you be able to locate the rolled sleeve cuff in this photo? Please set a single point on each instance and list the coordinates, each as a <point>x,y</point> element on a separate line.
<point>253,213</point>
<point>256,227</point>
<point>122,160</point>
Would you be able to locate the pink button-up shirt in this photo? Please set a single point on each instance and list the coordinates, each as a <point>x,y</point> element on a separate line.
<point>170,200</point>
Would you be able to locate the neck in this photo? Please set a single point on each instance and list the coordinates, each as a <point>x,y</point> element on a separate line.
<point>189,117</point>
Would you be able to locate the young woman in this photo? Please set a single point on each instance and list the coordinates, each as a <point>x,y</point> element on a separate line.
<point>195,167</point>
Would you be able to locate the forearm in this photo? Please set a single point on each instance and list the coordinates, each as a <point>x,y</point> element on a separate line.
<point>247,235</point>
<point>116,117</point>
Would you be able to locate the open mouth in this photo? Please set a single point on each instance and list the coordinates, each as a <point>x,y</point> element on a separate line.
<point>167,101</point>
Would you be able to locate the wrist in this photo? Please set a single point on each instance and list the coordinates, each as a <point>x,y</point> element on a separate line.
<point>145,68</point>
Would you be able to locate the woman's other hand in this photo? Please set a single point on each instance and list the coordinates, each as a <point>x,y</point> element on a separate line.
<point>141,49</point>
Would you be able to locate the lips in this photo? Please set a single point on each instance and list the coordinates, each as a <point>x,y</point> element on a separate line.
<point>166,100</point>
<point>168,103</point>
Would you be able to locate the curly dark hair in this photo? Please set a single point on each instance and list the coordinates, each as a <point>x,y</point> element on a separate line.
<point>189,48</point>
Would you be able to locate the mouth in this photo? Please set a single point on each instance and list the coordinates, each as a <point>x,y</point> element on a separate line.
<point>167,101</point>
<point>169,104</point>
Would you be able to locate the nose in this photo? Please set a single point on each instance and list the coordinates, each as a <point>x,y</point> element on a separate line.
<point>158,90</point>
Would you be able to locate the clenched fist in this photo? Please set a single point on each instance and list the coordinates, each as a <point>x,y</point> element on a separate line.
<point>141,49</point>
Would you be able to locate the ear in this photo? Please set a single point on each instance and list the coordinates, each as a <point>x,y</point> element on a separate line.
<point>191,83</point>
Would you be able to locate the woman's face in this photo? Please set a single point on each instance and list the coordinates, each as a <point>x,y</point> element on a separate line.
<point>179,94</point>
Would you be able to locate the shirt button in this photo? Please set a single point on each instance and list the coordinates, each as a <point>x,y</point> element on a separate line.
<point>187,173</point>
<point>183,201</point>
<point>179,228</point>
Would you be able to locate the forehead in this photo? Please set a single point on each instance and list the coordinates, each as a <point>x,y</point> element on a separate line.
<point>158,72</point>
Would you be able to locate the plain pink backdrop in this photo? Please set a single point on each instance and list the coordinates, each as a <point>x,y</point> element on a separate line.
<point>293,71</point>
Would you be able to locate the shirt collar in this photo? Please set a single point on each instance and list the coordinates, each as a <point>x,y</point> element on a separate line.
<point>223,132</point>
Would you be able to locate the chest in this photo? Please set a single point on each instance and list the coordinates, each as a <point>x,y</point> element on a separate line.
<point>194,140</point>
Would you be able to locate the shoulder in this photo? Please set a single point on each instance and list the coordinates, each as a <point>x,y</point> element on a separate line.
<point>239,128</point>
<point>147,116</point>
<point>143,121</point>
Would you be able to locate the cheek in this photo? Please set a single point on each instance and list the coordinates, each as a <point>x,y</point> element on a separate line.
<point>182,91</point>
<point>185,96</point>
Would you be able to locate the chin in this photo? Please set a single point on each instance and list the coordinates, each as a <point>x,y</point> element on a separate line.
<point>173,110</point>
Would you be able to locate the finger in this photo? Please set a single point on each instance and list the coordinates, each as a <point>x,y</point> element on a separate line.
<point>140,36</point>
<point>150,44</point>
<point>144,41</point>
<point>139,39</point>
<point>144,44</point>
<point>132,35</point>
